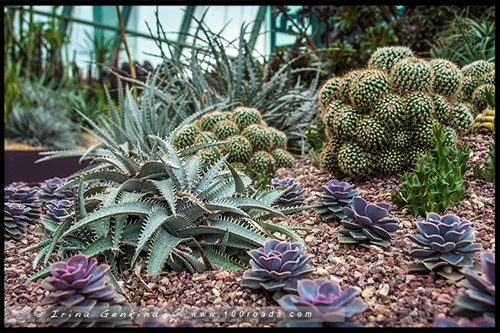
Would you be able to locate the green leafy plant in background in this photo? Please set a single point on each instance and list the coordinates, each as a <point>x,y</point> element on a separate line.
<point>467,38</point>
<point>209,76</point>
<point>487,173</point>
<point>316,138</point>
<point>437,180</point>
<point>11,87</point>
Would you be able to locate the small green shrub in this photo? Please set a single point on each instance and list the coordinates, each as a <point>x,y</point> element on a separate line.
<point>488,172</point>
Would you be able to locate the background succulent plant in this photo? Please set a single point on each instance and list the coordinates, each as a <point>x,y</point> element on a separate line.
<point>335,196</point>
<point>83,284</point>
<point>276,267</point>
<point>49,190</point>
<point>445,244</point>
<point>292,196</point>
<point>365,115</point>
<point>25,195</point>
<point>479,298</point>
<point>329,305</point>
<point>15,220</point>
<point>365,221</point>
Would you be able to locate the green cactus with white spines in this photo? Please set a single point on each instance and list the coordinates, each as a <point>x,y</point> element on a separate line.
<point>208,121</point>
<point>391,110</point>
<point>209,156</point>
<point>204,137</point>
<point>423,134</point>
<point>448,77</point>
<point>329,91</point>
<point>450,136</point>
<point>442,109</point>
<point>386,56</point>
<point>244,116</point>
<point>186,136</point>
<point>412,74</point>
<point>390,161</point>
<point>225,128</point>
<point>487,78</point>
<point>259,136</point>
<point>329,112</point>
<point>420,107</point>
<point>413,154</point>
<point>354,160</point>
<point>262,161</point>
<point>238,148</point>
<point>462,118</point>
<point>478,68</point>
<point>478,97</point>
<point>346,82</point>
<point>371,133</point>
<point>399,139</point>
<point>283,158</point>
<point>367,89</point>
<point>345,122</point>
<point>279,138</point>
<point>328,159</point>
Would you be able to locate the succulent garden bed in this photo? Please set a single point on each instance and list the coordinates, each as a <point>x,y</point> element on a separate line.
<point>394,297</point>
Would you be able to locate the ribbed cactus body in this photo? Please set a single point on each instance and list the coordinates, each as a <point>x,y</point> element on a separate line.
<point>367,89</point>
<point>410,74</point>
<point>283,158</point>
<point>420,107</point>
<point>386,56</point>
<point>354,160</point>
<point>262,161</point>
<point>330,90</point>
<point>448,77</point>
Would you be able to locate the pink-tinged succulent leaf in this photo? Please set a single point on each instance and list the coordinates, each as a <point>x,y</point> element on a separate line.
<point>430,228</point>
<point>445,248</point>
<point>327,288</point>
<point>482,297</point>
<point>307,290</point>
<point>375,213</point>
<point>488,261</point>
<point>78,261</point>
<point>359,206</point>
<point>270,245</point>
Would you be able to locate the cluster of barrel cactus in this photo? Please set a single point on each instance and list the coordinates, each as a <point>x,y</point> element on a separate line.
<point>250,141</point>
<point>379,119</point>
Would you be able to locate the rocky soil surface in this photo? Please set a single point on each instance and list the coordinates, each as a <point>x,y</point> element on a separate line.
<point>394,297</point>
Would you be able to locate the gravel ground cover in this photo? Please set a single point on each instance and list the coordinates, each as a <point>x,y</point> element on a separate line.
<point>394,298</point>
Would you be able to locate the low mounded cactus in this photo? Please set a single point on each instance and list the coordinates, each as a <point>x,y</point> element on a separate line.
<point>277,265</point>
<point>390,104</point>
<point>479,299</point>
<point>444,243</point>
<point>335,196</point>
<point>291,197</point>
<point>369,222</point>
<point>329,305</point>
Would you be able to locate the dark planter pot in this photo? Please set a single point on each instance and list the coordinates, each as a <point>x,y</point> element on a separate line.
<point>20,166</point>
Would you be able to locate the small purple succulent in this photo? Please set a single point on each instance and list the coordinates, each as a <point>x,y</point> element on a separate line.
<point>476,322</point>
<point>336,195</point>
<point>81,283</point>
<point>479,299</point>
<point>47,191</point>
<point>15,220</point>
<point>444,243</point>
<point>57,210</point>
<point>328,305</point>
<point>24,195</point>
<point>277,265</point>
<point>365,221</point>
<point>291,197</point>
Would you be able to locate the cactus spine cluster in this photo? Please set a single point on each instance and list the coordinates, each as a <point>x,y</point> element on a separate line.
<point>378,120</point>
<point>249,141</point>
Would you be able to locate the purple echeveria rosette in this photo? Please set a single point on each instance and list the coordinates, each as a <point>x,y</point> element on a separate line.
<point>82,284</point>
<point>479,298</point>
<point>335,196</point>
<point>25,195</point>
<point>365,221</point>
<point>291,197</point>
<point>47,191</point>
<point>328,305</point>
<point>444,243</point>
<point>15,220</point>
<point>277,265</point>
